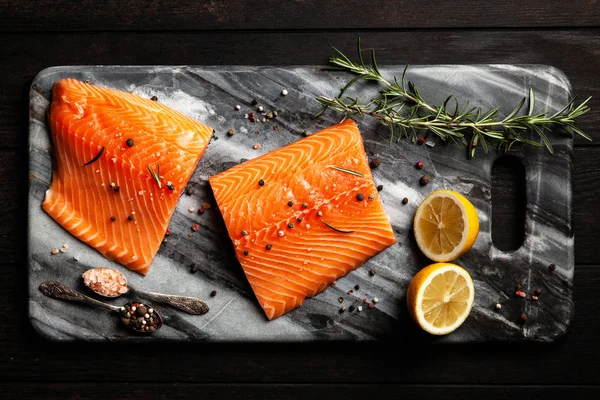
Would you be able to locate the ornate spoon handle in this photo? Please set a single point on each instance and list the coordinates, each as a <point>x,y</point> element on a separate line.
<point>58,291</point>
<point>190,305</point>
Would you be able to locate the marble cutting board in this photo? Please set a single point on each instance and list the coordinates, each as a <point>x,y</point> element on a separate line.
<point>197,265</point>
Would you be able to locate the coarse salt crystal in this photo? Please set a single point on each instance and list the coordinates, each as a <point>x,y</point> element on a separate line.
<point>105,281</point>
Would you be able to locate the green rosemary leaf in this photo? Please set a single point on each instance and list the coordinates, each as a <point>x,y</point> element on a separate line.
<point>488,115</point>
<point>96,157</point>
<point>515,111</point>
<point>542,135</point>
<point>348,171</point>
<point>334,228</point>
<point>568,106</point>
<point>580,132</point>
<point>375,67</point>
<point>362,62</point>
<point>403,76</point>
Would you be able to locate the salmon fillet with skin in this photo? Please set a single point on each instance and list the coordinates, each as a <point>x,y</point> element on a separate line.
<point>299,217</point>
<point>114,204</point>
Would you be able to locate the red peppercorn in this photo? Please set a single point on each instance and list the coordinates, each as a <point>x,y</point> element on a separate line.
<point>421,141</point>
<point>419,165</point>
<point>523,317</point>
<point>168,232</point>
<point>520,293</point>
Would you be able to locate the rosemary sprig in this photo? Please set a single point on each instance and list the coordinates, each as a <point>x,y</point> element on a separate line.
<point>96,157</point>
<point>155,175</point>
<point>404,111</point>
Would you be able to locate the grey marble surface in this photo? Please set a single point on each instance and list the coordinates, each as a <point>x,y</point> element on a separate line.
<point>197,265</point>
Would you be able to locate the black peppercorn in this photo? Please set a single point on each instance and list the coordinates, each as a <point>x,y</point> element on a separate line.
<point>290,203</point>
<point>379,188</point>
<point>360,197</point>
<point>213,293</point>
<point>425,179</point>
<point>375,163</point>
<point>113,218</point>
<point>261,182</point>
<point>129,142</point>
<point>269,246</point>
<point>154,98</point>
<point>405,200</point>
<point>130,218</point>
<point>245,252</point>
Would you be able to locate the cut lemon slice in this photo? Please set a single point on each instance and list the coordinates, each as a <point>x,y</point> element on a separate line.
<point>440,297</point>
<point>446,225</point>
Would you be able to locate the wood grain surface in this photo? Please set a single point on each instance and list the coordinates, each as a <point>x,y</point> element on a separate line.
<point>52,32</point>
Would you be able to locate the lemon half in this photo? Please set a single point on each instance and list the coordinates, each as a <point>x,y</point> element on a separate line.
<point>446,225</point>
<point>440,297</point>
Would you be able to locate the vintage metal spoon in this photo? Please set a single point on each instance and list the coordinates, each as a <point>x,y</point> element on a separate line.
<point>146,322</point>
<point>190,305</point>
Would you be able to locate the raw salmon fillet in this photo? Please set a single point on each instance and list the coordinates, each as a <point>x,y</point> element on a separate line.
<point>299,217</point>
<point>86,120</point>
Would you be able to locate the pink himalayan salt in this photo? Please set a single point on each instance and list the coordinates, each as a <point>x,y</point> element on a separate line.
<point>105,281</point>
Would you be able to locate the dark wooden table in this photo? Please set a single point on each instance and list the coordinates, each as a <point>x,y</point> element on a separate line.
<point>35,35</point>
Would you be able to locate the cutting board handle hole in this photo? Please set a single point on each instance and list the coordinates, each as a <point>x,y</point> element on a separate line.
<point>509,201</point>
